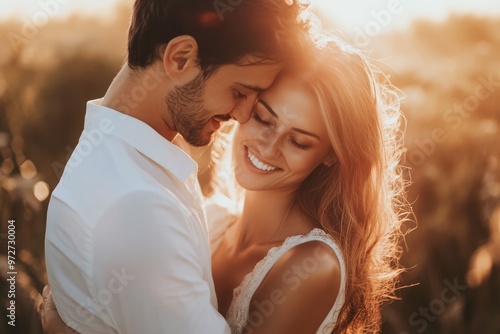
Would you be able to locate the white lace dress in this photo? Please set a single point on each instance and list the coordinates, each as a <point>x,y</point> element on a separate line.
<point>237,316</point>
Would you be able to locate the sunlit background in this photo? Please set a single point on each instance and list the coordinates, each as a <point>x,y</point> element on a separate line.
<point>444,56</point>
<point>347,14</point>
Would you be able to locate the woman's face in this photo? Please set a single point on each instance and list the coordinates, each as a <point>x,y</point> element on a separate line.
<point>284,140</point>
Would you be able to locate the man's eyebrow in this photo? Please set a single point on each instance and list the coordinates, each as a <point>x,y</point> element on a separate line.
<point>251,87</point>
<point>268,107</point>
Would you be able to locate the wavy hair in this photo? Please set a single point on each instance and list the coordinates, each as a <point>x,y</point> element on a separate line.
<point>360,199</point>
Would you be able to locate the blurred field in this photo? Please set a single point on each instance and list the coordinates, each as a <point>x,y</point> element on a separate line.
<point>450,75</point>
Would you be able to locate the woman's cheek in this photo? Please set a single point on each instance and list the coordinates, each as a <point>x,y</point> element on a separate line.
<point>260,133</point>
<point>246,130</point>
<point>303,161</point>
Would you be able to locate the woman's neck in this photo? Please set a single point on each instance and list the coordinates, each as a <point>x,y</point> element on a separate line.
<point>267,217</point>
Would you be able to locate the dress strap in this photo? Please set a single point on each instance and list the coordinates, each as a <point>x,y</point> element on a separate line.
<point>237,314</point>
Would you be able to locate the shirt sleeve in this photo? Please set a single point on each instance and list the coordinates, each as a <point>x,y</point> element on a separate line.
<point>148,272</point>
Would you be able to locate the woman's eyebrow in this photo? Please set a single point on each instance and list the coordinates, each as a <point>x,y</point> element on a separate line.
<point>268,107</point>
<point>272,112</point>
<point>307,133</point>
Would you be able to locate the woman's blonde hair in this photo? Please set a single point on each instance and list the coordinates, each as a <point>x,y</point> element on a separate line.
<point>359,200</point>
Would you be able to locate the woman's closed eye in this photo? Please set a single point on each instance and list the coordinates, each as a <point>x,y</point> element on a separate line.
<point>299,145</point>
<point>259,119</point>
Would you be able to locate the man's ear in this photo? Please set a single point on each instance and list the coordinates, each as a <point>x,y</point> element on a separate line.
<point>180,58</point>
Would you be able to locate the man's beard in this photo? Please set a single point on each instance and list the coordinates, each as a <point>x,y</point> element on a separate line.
<point>187,112</point>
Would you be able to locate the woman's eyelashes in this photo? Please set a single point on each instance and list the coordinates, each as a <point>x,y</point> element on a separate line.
<point>292,141</point>
<point>259,119</point>
<point>298,145</point>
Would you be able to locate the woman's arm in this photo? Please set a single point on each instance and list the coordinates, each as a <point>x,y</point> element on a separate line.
<point>298,293</point>
<point>51,321</point>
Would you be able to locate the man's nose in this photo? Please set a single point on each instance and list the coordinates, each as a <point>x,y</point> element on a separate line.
<point>243,111</point>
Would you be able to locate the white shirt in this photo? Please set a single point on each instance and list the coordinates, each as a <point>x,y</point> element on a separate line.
<point>127,242</point>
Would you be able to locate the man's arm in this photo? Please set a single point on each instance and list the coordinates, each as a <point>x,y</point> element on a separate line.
<point>147,272</point>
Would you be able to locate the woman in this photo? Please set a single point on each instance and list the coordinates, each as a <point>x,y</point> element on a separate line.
<point>315,247</point>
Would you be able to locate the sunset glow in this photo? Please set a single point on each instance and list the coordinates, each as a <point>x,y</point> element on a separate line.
<point>423,71</point>
<point>346,14</point>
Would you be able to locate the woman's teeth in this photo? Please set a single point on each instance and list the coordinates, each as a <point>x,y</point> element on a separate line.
<point>259,164</point>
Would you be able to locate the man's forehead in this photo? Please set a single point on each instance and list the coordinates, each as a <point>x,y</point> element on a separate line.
<point>250,75</point>
<point>251,69</point>
<point>255,60</point>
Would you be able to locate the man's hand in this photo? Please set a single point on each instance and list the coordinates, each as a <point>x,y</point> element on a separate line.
<point>51,321</point>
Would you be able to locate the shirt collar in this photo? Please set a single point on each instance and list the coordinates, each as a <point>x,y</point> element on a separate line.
<point>142,137</point>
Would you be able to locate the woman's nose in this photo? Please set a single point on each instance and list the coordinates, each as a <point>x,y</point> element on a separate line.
<point>269,144</point>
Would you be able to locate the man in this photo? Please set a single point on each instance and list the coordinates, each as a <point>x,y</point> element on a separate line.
<point>127,242</point>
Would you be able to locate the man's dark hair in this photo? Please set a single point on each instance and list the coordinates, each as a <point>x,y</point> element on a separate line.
<point>225,30</point>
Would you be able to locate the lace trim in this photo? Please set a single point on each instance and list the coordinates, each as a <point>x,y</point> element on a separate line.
<point>237,315</point>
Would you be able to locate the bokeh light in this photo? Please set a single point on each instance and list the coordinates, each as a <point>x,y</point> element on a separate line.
<point>41,191</point>
<point>439,53</point>
<point>28,169</point>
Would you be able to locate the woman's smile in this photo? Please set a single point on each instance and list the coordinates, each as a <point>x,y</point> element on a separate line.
<point>257,164</point>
